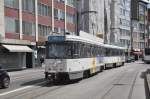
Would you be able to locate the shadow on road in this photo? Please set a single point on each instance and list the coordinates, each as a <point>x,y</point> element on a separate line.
<point>33,82</point>
<point>147,92</point>
<point>42,82</point>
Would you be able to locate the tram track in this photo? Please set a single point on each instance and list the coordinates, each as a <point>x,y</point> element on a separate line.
<point>109,89</point>
<point>42,89</point>
<point>121,84</point>
<point>132,87</point>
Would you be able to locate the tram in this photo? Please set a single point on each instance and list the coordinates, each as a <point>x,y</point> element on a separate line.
<point>73,57</point>
<point>147,55</point>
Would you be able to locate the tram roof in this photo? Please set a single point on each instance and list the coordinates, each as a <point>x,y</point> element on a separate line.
<point>81,39</point>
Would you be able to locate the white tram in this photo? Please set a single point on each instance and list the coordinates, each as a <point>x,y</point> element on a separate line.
<point>73,57</point>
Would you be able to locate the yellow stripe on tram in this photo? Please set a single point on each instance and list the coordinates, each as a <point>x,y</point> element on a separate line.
<point>94,65</point>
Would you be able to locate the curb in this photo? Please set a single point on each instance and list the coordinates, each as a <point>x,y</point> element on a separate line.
<point>148,81</point>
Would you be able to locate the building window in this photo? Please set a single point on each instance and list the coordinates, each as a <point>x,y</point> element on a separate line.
<point>70,18</point>
<point>71,3</point>
<point>56,30</point>
<point>61,15</point>
<point>28,28</point>
<point>11,25</point>
<point>12,3</point>
<point>44,10</point>
<point>141,36</point>
<point>17,26</point>
<point>28,5</point>
<point>44,30</point>
<point>55,13</point>
<point>62,1</point>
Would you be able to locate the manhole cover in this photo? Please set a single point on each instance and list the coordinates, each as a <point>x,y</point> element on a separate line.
<point>118,84</point>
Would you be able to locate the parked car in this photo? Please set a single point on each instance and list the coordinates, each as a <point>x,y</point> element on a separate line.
<point>130,59</point>
<point>4,79</point>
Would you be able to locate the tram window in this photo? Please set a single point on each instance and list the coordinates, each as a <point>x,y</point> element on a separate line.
<point>114,52</point>
<point>82,50</point>
<point>57,50</point>
<point>107,52</point>
<point>103,52</point>
<point>110,52</point>
<point>119,52</point>
<point>99,51</point>
<point>75,47</point>
<point>88,51</point>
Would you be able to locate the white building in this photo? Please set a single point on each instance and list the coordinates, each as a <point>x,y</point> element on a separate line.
<point>124,23</point>
<point>100,18</point>
<point>92,15</point>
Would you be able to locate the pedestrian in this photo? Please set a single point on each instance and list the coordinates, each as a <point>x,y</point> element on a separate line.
<point>42,59</point>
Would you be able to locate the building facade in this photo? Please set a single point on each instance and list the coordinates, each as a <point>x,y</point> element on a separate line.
<point>143,22</point>
<point>136,35</point>
<point>91,16</point>
<point>148,26</point>
<point>139,33</point>
<point>124,23</point>
<point>100,19</point>
<point>27,23</point>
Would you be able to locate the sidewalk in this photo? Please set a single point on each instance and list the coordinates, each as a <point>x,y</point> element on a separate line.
<point>148,78</point>
<point>26,71</point>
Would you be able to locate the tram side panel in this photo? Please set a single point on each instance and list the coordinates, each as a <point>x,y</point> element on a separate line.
<point>76,67</point>
<point>114,61</point>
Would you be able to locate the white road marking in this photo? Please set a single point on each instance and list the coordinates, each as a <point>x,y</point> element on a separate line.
<point>19,89</point>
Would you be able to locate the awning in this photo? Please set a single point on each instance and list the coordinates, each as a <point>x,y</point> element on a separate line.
<point>17,48</point>
<point>41,46</point>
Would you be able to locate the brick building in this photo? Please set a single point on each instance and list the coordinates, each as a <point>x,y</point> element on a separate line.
<point>25,25</point>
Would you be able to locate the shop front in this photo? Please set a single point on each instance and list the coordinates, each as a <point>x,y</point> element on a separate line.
<point>14,57</point>
<point>137,53</point>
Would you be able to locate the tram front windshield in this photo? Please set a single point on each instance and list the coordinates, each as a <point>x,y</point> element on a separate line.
<point>59,50</point>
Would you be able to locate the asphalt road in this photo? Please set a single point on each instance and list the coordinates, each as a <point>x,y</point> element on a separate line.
<point>127,82</point>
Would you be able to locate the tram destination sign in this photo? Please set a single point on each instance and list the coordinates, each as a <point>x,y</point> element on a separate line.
<point>56,38</point>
